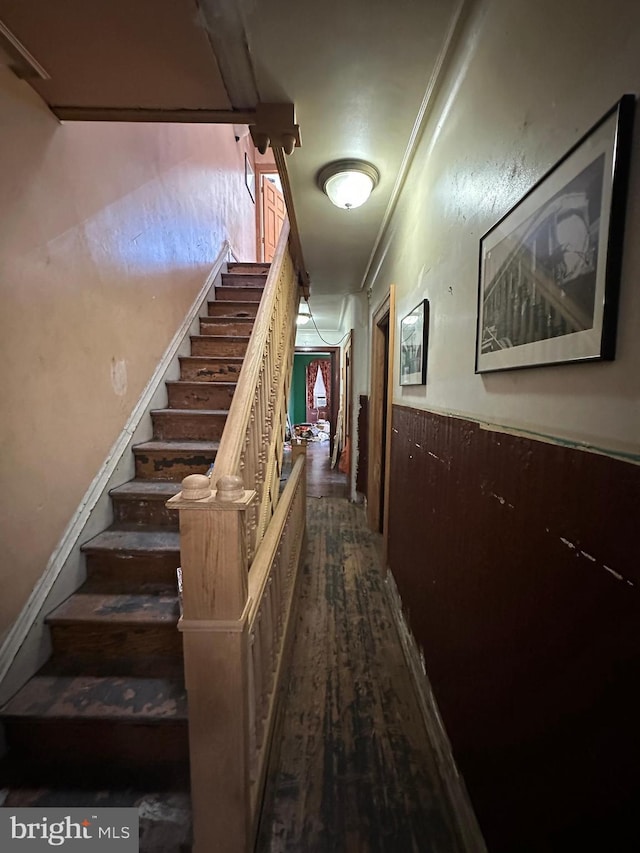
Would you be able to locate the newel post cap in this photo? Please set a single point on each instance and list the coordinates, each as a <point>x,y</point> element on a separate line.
<point>230,488</point>
<point>195,487</point>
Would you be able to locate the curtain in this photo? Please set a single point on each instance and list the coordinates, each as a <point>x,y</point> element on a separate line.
<point>325,369</point>
<point>312,373</point>
<point>324,365</point>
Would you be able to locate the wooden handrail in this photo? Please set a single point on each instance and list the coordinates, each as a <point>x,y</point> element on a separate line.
<point>252,442</point>
<point>232,442</point>
<point>259,574</point>
<point>272,581</point>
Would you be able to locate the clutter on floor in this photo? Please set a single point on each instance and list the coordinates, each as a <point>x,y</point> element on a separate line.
<point>312,432</point>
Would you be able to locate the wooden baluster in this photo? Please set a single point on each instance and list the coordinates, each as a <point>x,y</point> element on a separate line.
<point>267,621</point>
<point>216,655</point>
<point>263,705</point>
<point>273,609</point>
<point>253,700</point>
<point>256,664</point>
<point>277,595</point>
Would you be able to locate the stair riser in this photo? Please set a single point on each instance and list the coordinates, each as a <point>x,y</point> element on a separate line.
<point>131,574</point>
<point>209,396</point>
<point>175,466</point>
<point>168,425</point>
<point>218,346</point>
<point>225,326</point>
<point>215,370</point>
<point>238,294</point>
<point>98,753</point>
<point>143,512</point>
<point>236,279</point>
<point>248,268</point>
<point>233,309</point>
<point>135,651</point>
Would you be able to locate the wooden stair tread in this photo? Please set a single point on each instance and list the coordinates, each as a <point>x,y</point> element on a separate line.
<point>188,445</point>
<point>235,339</point>
<point>196,413</point>
<point>231,304</point>
<point>187,383</point>
<point>134,539</point>
<point>248,267</point>
<point>241,289</point>
<point>240,279</point>
<point>99,697</point>
<point>160,490</point>
<point>228,321</point>
<point>124,609</point>
<point>218,359</point>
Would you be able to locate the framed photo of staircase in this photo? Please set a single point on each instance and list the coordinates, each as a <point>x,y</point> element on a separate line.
<point>550,268</point>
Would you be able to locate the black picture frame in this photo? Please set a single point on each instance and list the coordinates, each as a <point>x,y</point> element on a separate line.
<point>414,336</point>
<point>550,268</point>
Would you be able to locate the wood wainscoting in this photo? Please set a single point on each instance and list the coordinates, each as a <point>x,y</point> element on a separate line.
<point>518,564</point>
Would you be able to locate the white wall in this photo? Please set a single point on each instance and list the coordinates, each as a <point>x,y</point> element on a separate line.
<point>108,233</point>
<point>524,83</point>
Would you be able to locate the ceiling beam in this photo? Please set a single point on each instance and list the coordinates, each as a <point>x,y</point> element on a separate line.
<point>203,116</point>
<point>21,61</point>
<point>222,20</point>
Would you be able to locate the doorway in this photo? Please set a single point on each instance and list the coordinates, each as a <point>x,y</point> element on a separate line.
<point>306,404</point>
<point>380,411</point>
<point>270,211</point>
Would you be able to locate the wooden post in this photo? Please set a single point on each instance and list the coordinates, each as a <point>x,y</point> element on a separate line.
<point>216,658</point>
<point>299,448</point>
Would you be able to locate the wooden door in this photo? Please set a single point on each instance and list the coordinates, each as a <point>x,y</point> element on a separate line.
<point>273,212</point>
<point>380,412</point>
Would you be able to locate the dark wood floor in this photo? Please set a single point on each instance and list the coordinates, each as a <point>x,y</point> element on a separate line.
<point>322,480</point>
<point>352,770</point>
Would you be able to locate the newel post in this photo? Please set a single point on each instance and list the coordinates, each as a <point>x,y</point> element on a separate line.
<point>215,642</point>
<point>299,448</point>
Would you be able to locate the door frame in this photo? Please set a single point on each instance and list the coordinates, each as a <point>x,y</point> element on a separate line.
<point>260,170</point>
<point>347,391</point>
<point>334,354</point>
<point>382,366</point>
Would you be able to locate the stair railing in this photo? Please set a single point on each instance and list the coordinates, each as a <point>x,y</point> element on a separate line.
<point>252,443</point>
<point>241,544</point>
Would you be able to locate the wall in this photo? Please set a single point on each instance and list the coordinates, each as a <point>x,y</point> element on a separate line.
<point>518,572</point>
<point>108,232</point>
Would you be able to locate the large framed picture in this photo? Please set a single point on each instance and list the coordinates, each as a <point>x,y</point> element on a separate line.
<point>414,330</point>
<point>550,268</point>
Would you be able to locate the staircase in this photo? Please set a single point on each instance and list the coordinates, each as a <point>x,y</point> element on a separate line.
<point>109,708</point>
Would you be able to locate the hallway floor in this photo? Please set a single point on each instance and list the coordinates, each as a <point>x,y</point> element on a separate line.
<point>352,770</point>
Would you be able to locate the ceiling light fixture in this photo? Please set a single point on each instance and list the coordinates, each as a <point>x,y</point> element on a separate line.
<point>304,315</point>
<point>348,183</point>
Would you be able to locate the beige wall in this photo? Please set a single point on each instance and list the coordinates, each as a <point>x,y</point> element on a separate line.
<point>524,83</point>
<point>108,232</point>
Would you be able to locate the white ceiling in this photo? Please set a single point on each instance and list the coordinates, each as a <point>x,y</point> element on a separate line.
<point>357,72</point>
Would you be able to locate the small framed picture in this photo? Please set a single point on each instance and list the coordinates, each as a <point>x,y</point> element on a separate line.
<point>550,268</point>
<point>249,178</point>
<point>414,330</point>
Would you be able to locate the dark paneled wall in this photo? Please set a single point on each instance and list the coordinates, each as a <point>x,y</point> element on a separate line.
<point>518,563</point>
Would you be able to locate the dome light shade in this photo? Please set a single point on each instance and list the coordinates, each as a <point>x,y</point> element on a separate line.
<point>304,314</point>
<point>348,183</point>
